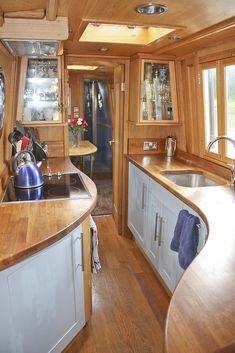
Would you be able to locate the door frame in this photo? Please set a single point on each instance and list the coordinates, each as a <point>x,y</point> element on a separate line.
<point>70,59</point>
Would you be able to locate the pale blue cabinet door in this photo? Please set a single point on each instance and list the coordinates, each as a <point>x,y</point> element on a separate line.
<point>42,299</point>
<point>153,228</point>
<point>137,203</point>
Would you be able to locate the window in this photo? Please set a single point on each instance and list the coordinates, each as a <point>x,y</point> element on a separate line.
<point>210,106</point>
<point>218,98</point>
<point>230,107</point>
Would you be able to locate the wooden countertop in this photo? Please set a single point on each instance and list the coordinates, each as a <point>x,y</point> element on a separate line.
<point>27,227</point>
<point>201,316</point>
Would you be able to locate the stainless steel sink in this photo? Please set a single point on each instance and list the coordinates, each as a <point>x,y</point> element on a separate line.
<point>190,179</point>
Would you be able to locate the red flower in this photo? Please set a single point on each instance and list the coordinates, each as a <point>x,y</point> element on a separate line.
<point>73,121</point>
<point>84,123</point>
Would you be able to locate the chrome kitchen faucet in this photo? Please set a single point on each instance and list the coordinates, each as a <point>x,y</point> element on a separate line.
<point>232,180</point>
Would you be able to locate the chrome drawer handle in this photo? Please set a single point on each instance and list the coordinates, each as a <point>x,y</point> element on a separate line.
<point>156,223</point>
<point>160,232</point>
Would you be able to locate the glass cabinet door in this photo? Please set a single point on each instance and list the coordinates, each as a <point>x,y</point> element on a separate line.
<point>41,100</point>
<point>156,95</point>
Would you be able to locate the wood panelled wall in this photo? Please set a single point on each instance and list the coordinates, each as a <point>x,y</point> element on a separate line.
<point>190,92</point>
<point>8,65</point>
<point>77,91</point>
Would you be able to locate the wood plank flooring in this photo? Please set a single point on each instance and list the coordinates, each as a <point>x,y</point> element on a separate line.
<point>129,303</point>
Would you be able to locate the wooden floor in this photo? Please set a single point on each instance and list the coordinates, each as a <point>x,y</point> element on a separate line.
<point>129,304</point>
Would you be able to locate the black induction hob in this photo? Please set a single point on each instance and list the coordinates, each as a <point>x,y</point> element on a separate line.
<point>55,187</point>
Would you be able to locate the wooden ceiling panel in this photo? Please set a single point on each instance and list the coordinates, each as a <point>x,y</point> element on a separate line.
<point>195,15</point>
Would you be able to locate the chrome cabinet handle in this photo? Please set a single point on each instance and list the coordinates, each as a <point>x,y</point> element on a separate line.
<point>155,232</point>
<point>143,196</point>
<point>82,253</point>
<point>160,232</point>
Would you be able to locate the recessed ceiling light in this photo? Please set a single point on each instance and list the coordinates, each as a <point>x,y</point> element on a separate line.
<point>174,37</point>
<point>81,67</point>
<point>151,9</point>
<point>103,49</point>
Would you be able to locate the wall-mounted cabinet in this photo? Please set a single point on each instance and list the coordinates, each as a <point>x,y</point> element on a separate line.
<point>153,96</point>
<point>40,98</point>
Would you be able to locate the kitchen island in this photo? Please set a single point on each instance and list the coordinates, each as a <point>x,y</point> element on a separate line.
<point>45,277</point>
<point>201,316</point>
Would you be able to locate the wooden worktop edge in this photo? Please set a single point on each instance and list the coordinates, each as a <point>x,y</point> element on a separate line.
<point>21,250</point>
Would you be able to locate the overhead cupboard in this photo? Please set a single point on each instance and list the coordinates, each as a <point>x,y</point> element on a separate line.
<point>40,97</point>
<point>152,216</point>
<point>154,101</point>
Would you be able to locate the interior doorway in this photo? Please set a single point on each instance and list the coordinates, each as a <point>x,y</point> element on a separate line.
<point>97,113</point>
<point>115,71</point>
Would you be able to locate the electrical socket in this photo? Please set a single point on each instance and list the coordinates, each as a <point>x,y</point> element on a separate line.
<point>149,146</point>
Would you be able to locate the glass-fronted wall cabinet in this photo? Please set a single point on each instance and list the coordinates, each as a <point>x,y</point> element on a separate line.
<point>153,96</point>
<point>40,98</point>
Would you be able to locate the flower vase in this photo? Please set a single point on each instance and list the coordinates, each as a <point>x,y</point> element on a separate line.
<point>77,137</point>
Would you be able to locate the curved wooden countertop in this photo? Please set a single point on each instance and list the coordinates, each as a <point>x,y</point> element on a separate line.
<point>201,316</point>
<point>27,227</point>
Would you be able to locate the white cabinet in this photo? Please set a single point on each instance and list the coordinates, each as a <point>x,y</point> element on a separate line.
<point>137,202</point>
<point>152,216</point>
<point>42,299</point>
<point>153,221</point>
<point>162,217</point>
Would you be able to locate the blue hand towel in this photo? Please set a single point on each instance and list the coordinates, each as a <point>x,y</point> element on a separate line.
<point>175,243</point>
<point>188,241</point>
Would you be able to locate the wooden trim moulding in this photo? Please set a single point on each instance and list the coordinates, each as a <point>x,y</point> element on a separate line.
<point>51,10</point>
<point>1,17</point>
<point>18,28</point>
<point>30,14</point>
<point>150,57</point>
<point>215,29</point>
<point>156,123</point>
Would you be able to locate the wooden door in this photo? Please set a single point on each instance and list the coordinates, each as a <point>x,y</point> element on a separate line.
<point>117,137</point>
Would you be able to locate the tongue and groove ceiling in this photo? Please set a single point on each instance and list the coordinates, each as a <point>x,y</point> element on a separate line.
<point>189,16</point>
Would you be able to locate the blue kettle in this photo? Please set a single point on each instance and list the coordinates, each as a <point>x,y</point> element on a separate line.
<point>27,173</point>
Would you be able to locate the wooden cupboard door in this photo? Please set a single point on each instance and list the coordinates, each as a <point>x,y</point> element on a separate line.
<point>42,300</point>
<point>137,203</point>
<point>152,233</point>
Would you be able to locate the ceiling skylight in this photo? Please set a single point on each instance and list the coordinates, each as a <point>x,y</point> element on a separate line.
<point>119,33</point>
